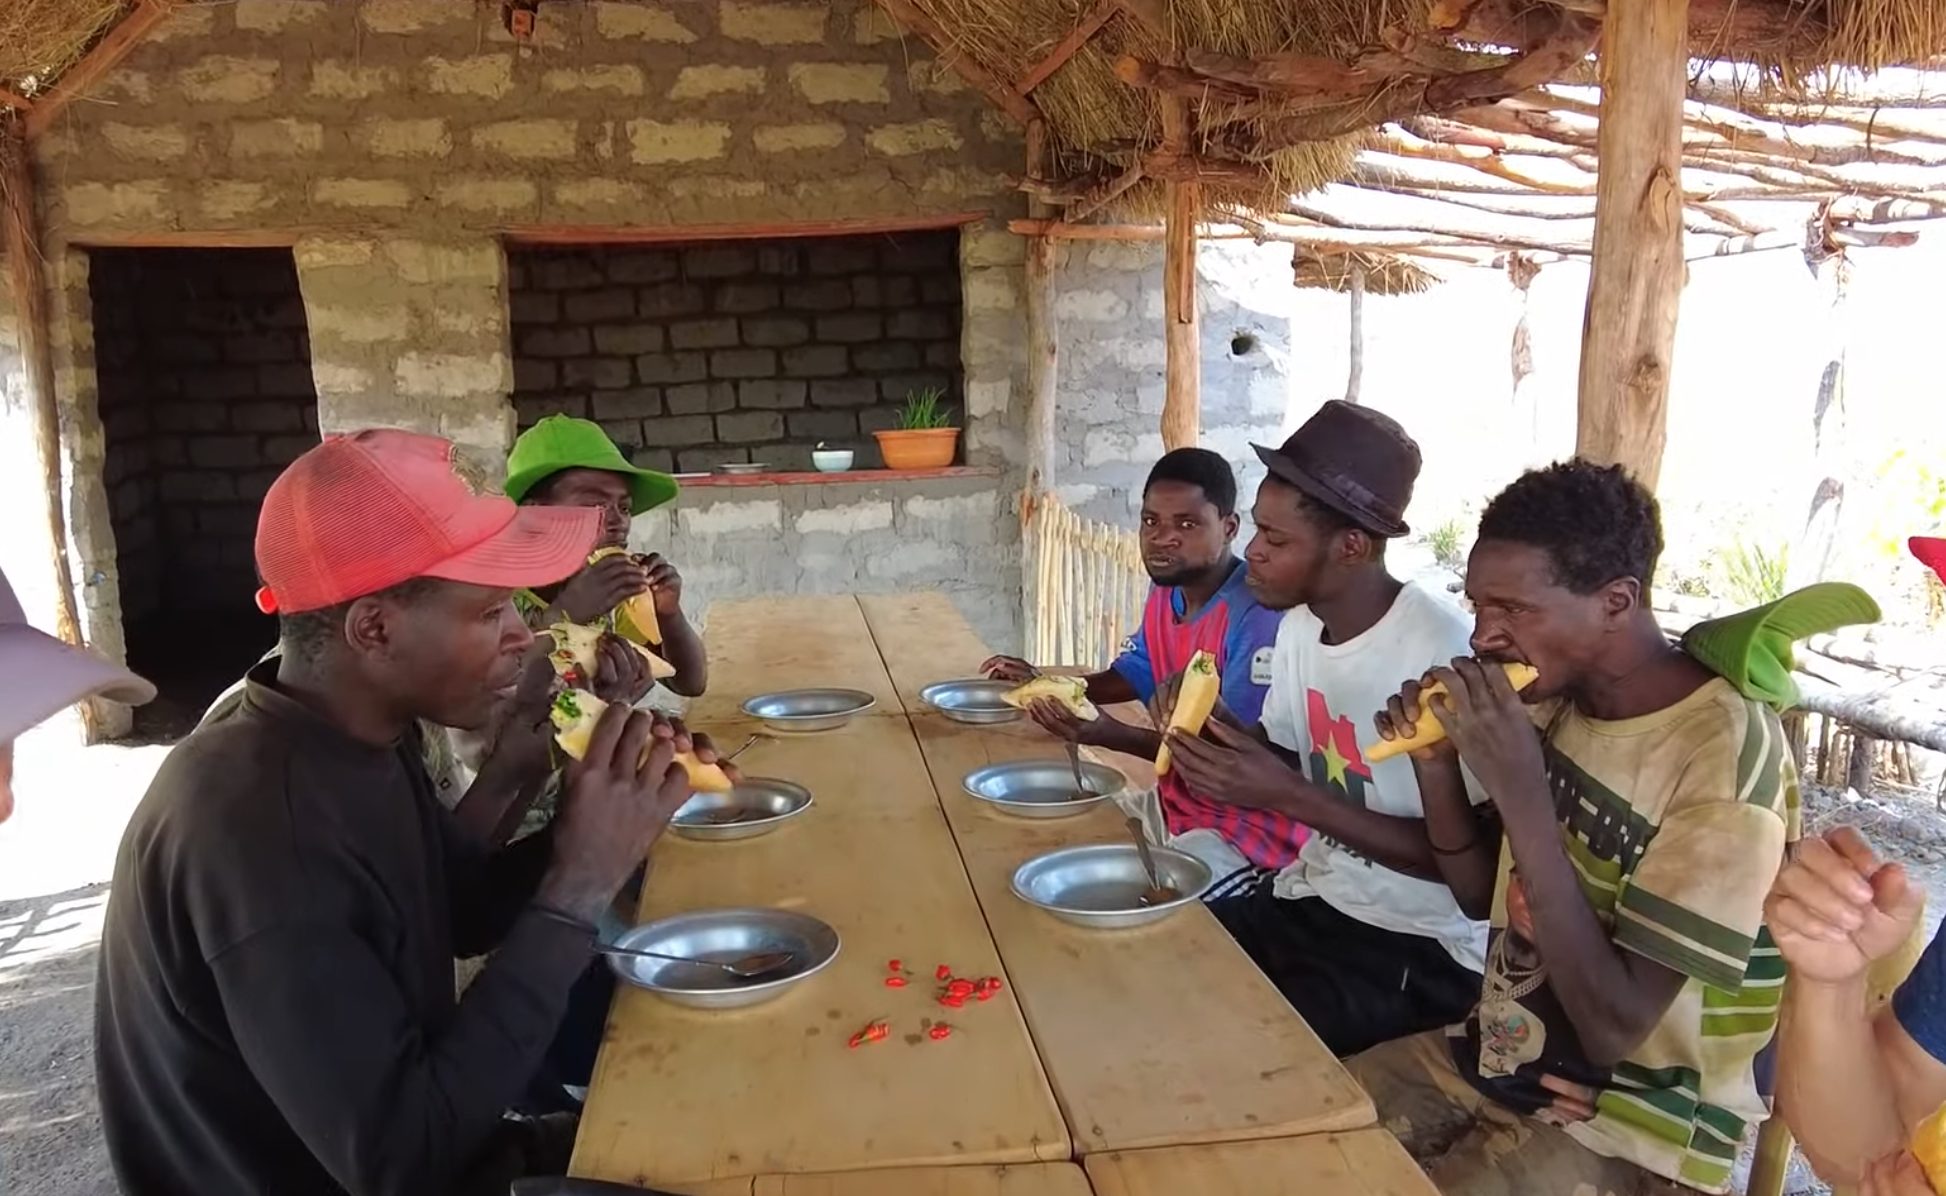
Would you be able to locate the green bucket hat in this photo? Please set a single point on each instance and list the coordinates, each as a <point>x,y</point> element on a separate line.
<point>562,442</point>
<point>1752,649</point>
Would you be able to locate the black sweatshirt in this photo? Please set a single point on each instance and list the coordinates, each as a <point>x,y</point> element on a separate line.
<point>275,1008</point>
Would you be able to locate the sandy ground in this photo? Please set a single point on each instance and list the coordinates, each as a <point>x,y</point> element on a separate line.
<point>57,854</point>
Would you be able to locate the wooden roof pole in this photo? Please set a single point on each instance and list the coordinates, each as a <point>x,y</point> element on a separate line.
<point>1043,376</point>
<point>1182,403</point>
<point>20,241</point>
<point>105,57</point>
<point>1628,331</point>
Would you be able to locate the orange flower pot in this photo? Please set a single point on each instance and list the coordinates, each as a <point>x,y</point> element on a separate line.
<point>919,448</point>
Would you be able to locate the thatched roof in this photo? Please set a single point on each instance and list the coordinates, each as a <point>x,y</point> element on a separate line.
<point>1428,128</point>
<point>1385,273</point>
<point>40,39</point>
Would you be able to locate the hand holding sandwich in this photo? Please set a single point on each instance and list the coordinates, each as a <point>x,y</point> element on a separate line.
<point>601,587</point>
<point>616,800</point>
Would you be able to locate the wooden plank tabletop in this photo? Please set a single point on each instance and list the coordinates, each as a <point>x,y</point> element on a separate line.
<point>1031,1179</point>
<point>1158,1036</point>
<point>1361,1163</point>
<point>922,639</point>
<point>762,645</point>
<point>682,1095</point>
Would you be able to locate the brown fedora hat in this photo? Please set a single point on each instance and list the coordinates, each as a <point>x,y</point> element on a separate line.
<point>1357,461</point>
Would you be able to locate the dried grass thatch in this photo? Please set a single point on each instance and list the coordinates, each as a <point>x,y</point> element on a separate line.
<point>1099,123</point>
<point>1384,274</point>
<point>41,38</point>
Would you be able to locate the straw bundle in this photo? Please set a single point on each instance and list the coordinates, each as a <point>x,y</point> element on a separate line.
<point>41,38</point>
<point>1089,587</point>
<point>1100,124</point>
<point>1385,274</point>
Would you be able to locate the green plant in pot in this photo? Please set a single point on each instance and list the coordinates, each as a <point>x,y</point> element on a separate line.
<point>925,437</point>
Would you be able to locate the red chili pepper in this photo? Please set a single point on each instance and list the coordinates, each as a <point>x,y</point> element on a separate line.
<point>874,1032</point>
<point>895,982</point>
<point>995,982</point>
<point>951,1001</point>
<point>985,994</point>
<point>944,972</point>
<point>895,966</point>
<point>941,1031</point>
<point>961,988</point>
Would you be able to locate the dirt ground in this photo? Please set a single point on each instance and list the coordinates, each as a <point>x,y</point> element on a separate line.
<point>58,852</point>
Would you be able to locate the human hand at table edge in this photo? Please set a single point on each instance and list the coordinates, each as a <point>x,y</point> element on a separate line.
<point>1102,731</point>
<point>615,802</point>
<point>1008,668</point>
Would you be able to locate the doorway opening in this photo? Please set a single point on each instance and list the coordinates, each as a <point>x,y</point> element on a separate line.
<point>204,366</point>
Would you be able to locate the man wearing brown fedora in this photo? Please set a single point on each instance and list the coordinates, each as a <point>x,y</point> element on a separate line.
<point>1362,933</point>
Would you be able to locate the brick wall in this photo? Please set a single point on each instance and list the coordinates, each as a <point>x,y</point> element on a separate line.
<point>738,351</point>
<point>396,142</point>
<point>203,367</point>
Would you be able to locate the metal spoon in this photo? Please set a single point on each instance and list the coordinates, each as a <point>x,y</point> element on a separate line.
<point>1158,893</point>
<point>1074,762</point>
<point>747,967</point>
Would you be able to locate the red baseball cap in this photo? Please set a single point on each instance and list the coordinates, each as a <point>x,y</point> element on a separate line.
<point>366,511</point>
<point>1931,553</point>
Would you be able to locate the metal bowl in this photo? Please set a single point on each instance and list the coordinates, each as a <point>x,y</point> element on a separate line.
<point>756,807</point>
<point>724,935</point>
<point>1042,788</point>
<point>974,701</point>
<point>741,468</point>
<point>809,709</point>
<point>1101,887</point>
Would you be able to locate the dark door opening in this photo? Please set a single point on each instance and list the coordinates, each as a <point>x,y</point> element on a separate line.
<point>204,367</point>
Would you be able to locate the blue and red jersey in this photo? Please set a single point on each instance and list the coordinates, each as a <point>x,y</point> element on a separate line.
<point>1240,632</point>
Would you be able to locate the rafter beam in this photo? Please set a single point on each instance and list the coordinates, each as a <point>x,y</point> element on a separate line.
<point>982,80</point>
<point>105,57</point>
<point>1389,97</point>
<point>1069,46</point>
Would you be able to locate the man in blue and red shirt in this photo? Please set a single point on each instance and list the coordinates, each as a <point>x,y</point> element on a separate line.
<point>1199,603</point>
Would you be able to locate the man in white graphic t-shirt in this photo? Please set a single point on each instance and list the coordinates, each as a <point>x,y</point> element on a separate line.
<point>1362,934</point>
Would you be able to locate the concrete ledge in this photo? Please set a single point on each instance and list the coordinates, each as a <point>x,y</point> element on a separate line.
<point>854,477</point>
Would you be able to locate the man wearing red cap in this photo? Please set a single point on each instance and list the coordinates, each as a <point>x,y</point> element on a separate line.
<point>275,1008</point>
<point>1853,1081</point>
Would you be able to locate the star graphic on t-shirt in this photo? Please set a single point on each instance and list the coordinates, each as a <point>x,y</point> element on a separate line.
<point>1334,762</point>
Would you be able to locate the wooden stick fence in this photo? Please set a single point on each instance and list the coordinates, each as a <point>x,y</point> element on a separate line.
<point>1089,587</point>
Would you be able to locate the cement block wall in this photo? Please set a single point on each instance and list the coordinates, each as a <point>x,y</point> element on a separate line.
<point>957,536</point>
<point>1109,312</point>
<point>737,351</point>
<point>396,145</point>
<point>203,364</point>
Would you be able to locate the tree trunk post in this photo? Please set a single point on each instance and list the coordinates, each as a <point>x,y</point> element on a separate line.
<point>20,240</point>
<point>1355,375</point>
<point>1628,330</point>
<point>1182,403</point>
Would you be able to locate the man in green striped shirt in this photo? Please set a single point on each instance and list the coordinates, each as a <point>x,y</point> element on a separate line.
<point>1624,862</point>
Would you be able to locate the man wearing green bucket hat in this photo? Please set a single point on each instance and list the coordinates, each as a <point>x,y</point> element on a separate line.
<point>566,462</point>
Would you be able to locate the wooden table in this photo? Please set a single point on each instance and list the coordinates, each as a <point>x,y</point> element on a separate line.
<point>1162,1035</point>
<point>1165,1036</point>
<point>1363,1163</point>
<point>681,1095</point>
<point>764,645</point>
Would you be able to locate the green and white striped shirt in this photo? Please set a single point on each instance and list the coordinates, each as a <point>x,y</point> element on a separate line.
<point>1676,823</point>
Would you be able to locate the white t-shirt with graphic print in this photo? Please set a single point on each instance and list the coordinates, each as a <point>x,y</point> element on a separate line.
<point>1321,702</point>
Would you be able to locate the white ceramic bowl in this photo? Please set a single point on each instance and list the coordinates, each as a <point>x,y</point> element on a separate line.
<point>831,460</point>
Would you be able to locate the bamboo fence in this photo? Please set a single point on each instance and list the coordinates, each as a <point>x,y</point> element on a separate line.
<point>1089,587</point>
